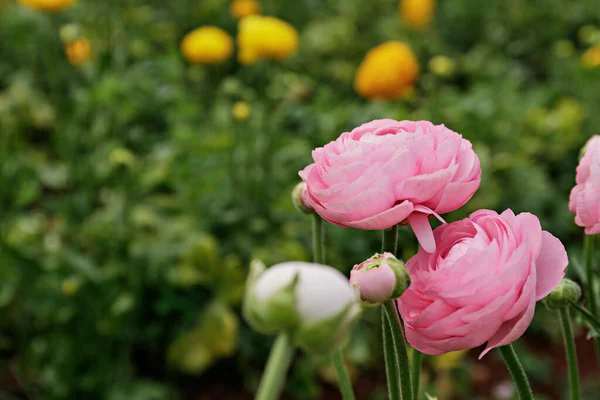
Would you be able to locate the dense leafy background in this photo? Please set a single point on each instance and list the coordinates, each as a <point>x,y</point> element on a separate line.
<point>131,200</point>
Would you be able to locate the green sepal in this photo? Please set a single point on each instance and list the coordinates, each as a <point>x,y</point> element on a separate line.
<point>330,334</point>
<point>563,295</point>
<point>402,277</point>
<point>278,312</point>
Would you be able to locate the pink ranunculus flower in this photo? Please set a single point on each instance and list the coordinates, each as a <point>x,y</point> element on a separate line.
<point>482,283</point>
<point>585,196</point>
<point>385,172</point>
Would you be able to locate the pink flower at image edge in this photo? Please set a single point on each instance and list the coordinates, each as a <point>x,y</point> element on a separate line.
<point>585,196</point>
<point>386,172</point>
<point>482,283</point>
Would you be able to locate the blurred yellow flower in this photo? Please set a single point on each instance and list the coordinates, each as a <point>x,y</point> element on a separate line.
<point>47,5</point>
<point>591,58</point>
<point>388,71</point>
<point>417,13</point>
<point>449,360</point>
<point>241,111</point>
<point>121,156</point>
<point>207,45</point>
<point>70,286</point>
<point>442,65</point>
<point>242,8</point>
<point>265,37</point>
<point>78,51</point>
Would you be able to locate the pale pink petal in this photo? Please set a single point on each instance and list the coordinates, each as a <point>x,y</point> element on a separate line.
<point>419,223</point>
<point>550,265</point>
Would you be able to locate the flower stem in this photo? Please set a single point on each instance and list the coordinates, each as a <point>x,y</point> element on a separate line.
<point>587,316</point>
<point>392,371</point>
<point>517,372</point>
<point>343,379</point>
<point>416,373</point>
<point>317,239</point>
<point>273,378</point>
<point>318,247</point>
<point>565,319</point>
<point>390,240</point>
<point>396,332</point>
<point>591,293</point>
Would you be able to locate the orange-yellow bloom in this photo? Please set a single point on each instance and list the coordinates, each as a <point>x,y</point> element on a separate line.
<point>242,8</point>
<point>78,51</point>
<point>47,5</point>
<point>265,38</point>
<point>417,13</point>
<point>388,71</point>
<point>207,45</point>
<point>591,58</point>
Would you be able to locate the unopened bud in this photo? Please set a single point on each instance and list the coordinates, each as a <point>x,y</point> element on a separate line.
<point>312,301</point>
<point>301,200</point>
<point>380,278</point>
<point>565,293</point>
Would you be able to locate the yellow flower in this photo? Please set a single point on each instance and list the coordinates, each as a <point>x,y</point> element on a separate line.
<point>47,5</point>
<point>78,51</point>
<point>207,45</point>
<point>242,8</point>
<point>442,65</point>
<point>241,111</point>
<point>388,71</point>
<point>591,58</point>
<point>449,360</point>
<point>265,37</point>
<point>417,13</point>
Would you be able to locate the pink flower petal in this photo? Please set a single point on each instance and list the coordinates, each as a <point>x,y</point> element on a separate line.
<point>419,223</point>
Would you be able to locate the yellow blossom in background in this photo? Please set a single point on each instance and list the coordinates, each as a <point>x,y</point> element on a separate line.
<point>241,111</point>
<point>442,65</point>
<point>121,156</point>
<point>389,71</point>
<point>265,38</point>
<point>449,360</point>
<point>78,51</point>
<point>70,286</point>
<point>47,5</point>
<point>242,8</point>
<point>207,45</point>
<point>591,58</point>
<point>417,13</point>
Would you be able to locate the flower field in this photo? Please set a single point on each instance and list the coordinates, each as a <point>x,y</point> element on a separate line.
<point>148,155</point>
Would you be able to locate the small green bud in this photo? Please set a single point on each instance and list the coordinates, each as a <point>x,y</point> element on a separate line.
<point>301,200</point>
<point>566,292</point>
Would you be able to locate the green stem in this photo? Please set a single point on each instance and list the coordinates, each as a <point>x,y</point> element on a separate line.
<point>416,373</point>
<point>587,316</point>
<point>318,247</point>
<point>317,239</point>
<point>565,320</point>
<point>273,378</point>
<point>591,293</point>
<point>397,335</point>
<point>343,379</point>
<point>389,240</point>
<point>392,371</point>
<point>517,372</point>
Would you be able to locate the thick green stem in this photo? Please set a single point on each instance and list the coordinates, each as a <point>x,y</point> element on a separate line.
<point>273,378</point>
<point>517,372</point>
<point>317,239</point>
<point>397,335</point>
<point>591,293</point>
<point>390,240</point>
<point>587,316</point>
<point>392,371</point>
<point>565,320</point>
<point>343,379</point>
<point>416,373</point>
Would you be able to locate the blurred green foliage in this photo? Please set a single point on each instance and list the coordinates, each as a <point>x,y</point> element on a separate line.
<point>131,199</point>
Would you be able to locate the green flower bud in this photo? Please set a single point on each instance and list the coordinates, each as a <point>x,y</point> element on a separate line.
<point>566,292</point>
<point>301,200</point>
<point>314,302</point>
